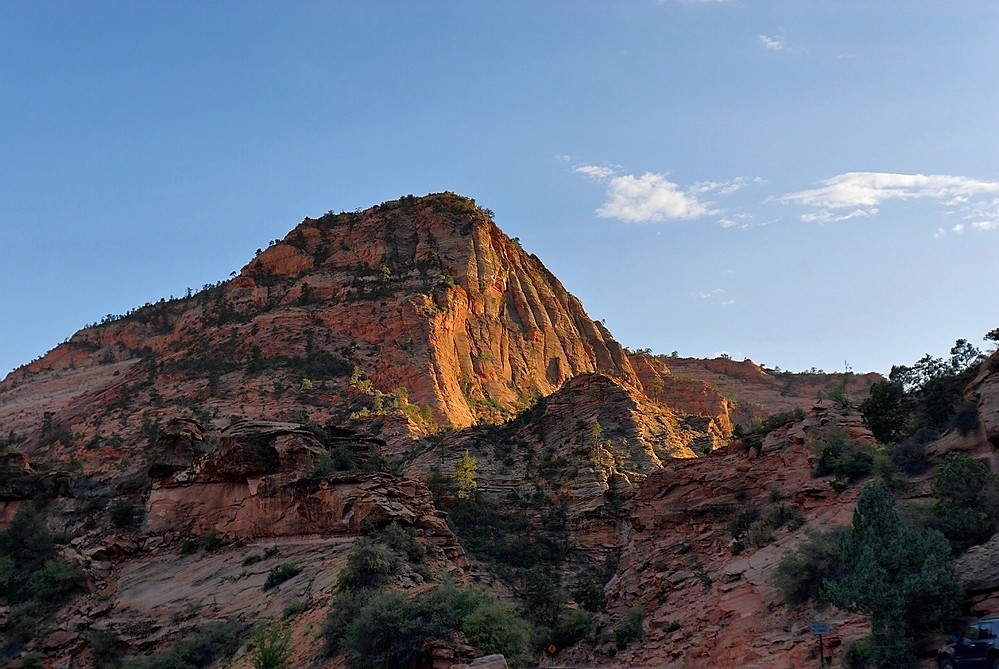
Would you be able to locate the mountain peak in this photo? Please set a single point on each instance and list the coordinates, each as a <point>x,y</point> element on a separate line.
<point>421,304</point>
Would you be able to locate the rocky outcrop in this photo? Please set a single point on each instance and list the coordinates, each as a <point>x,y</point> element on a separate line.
<point>175,444</point>
<point>708,600</point>
<point>217,531</point>
<point>19,482</point>
<point>262,481</point>
<point>983,392</point>
<point>589,446</point>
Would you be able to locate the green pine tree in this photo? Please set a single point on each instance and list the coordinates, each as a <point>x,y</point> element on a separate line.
<point>901,578</point>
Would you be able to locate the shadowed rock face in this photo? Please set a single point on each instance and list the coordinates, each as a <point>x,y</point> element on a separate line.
<point>175,445</point>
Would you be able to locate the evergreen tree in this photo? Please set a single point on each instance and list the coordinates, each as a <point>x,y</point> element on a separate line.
<point>465,476</point>
<point>901,578</point>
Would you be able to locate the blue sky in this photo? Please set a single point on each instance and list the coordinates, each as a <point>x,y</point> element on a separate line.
<point>802,183</point>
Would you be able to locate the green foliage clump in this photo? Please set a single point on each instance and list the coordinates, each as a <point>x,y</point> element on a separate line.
<point>273,646</point>
<point>752,438</point>
<point>10,442</point>
<point>377,629</point>
<point>842,457</point>
<point>858,654</point>
<point>572,628</point>
<point>910,455</point>
<point>281,573</point>
<point>901,578</point>
<point>465,476</point>
<point>750,528</point>
<point>124,514</point>
<point>801,572</point>
<point>967,507</point>
<point>210,541</point>
<point>885,412</point>
<point>33,582</point>
<point>926,395</point>
<point>370,565</point>
<point>630,627</point>
<point>212,643</point>
<point>403,541</point>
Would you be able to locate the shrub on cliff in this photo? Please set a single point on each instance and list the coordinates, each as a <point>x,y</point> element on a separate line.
<point>281,573</point>
<point>839,455</point>
<point>33,582</point>
<point>387,630</point>
<point>800,573</point>
<point>630,627</point>
<point>369,565</point>
<point>210,643</point>
<point>967,507</point>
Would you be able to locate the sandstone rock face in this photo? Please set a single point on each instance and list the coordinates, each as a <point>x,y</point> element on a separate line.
<point>424,297</point>
<point>984,391</point>
<point>259,498</point>
<point>464,319</point>
<point>175,447</point>
<point>707,604</point>
<point>587,448</point>
<point>258,483</point>
<point>754,392</point>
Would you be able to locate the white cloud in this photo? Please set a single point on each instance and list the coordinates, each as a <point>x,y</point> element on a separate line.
<point>958,229</point>
<point>865,191</point>
<point>727,223</point>
<point>857,189</point>
<point>773,43</point>
<point>720,187</point>
<point>596,172</point>
<point>826,216</point>
<point>649,198</point>
<point>984,226</point>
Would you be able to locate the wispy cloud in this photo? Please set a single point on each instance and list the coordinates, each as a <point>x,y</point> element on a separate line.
<point>864,192</point>
<point>773,43</point>
<point>596,172</point>
<point>719,187</point>
<point>715,297</point>
<point>826,216</point>
<point>649,198</point>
